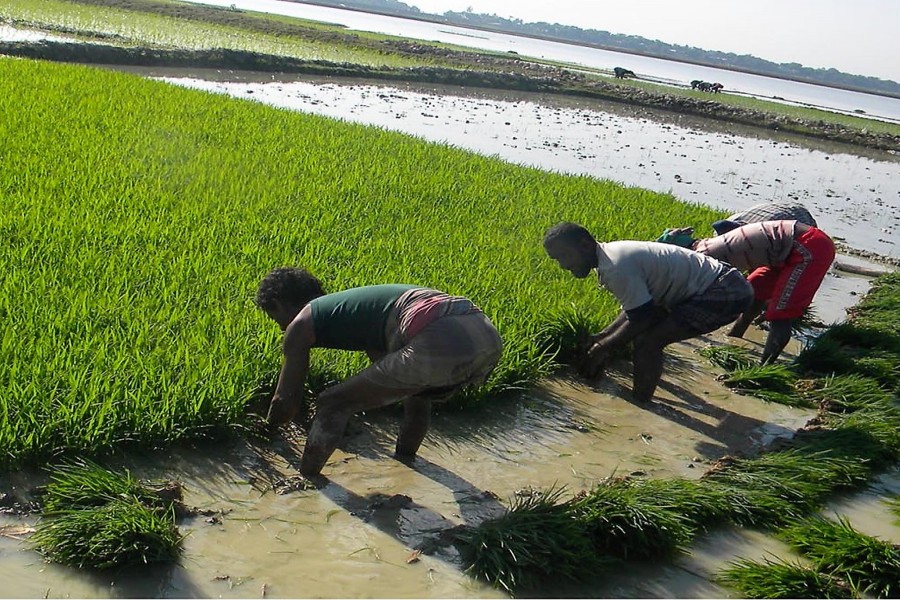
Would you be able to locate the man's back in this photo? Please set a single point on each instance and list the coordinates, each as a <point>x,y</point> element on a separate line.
<point>637,272</point>
<point>775,211</point>
<point>765,244</point>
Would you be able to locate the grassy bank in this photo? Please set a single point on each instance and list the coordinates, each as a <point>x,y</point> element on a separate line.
<point>139,218</point>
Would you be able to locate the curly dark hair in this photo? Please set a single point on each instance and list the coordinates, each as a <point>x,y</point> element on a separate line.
<point>568,233</point>
<point>287,284</point>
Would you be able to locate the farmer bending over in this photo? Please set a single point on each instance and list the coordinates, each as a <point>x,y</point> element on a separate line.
<point>787,261</point>
<point>768,211</point>
<point>667,293</point>
<point>424,345</point>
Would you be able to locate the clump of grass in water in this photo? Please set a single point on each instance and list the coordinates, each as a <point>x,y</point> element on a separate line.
<point>96,518</point>
<point>82,484</point>
<point>870,564</point>
<point>728,356</point>
<point>537,540</point>
<point>802,479</point>
<point>773,383</point>
<point>121,533</point>
<point>894,506</point>
<point>847,393</point>
<point>780,579</point>
<point>633,520</point>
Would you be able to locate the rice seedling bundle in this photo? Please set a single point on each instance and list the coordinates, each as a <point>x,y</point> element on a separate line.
<point>631,521</point>
<point>728,356</point>
<point>139,217</point>
<point>773,383</point>
<point>846,393</point>
<point>96,518</point>
<point>801,478</point>
<point>537,540</point>
<point>781,579</point>
<point>83,484</point>
<point>871,565</point>
<point>121,533</point>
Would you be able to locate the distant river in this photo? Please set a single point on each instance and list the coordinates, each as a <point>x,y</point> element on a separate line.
<point>663,71</point>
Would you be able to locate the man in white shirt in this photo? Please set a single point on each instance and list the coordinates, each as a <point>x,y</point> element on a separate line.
<point>667,293</point>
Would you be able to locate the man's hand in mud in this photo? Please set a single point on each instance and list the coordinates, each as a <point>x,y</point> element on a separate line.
<point>282,410</point>
<point>594,361</point>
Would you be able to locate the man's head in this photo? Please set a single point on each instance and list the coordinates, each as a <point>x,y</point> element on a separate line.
<point>286,290</point>
<point>573,247</point>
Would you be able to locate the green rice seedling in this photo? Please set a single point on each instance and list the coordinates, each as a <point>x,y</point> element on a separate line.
<point>870,564</point>
<point>121,533</point>
<point>628,520</point>
<point>849,348</point>
<point>801,478</point>
<point>781,579</point>
<point>728,356</point>
<point>773,383</point>
<point>760,508</point>
<point>880,425</point>
<point>146,334</point>
<point>893,504</point>
<point>539,540</point>
<point>861,451</point>
<point>82,484</point>
<point>881,309</point>
<point>846,393</point>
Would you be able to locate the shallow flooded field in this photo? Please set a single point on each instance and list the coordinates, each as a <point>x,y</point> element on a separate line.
<point>853,193</point>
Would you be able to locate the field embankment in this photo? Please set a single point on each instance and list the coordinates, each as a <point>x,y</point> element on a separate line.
<point>229,39</point>
<point>140,217</point>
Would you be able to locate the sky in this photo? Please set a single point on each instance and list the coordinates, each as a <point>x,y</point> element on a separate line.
<point>861,37</point>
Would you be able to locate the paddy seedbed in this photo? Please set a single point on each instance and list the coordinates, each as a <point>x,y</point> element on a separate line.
<point>138,235</point>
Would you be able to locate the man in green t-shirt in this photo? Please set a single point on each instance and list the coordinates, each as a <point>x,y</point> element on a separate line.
<point>424,346</point>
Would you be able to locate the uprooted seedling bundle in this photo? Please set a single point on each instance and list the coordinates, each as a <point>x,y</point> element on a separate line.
<point>93,517</point>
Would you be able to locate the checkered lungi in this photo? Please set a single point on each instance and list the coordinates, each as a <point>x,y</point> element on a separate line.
<point>719,304</point>
<point>455,350</point>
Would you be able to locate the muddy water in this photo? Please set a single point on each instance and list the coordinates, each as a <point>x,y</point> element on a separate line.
<point>854,193</point>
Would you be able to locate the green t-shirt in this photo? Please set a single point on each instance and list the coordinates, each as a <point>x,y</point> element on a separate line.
<point>355,319</point>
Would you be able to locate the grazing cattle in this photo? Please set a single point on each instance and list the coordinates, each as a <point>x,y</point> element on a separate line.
<point>696,83</point>
<point>623,73</point>
<point>716,88</point>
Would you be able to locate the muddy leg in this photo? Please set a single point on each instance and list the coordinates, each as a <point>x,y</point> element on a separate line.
<point>416,420</point>
<point>648,356</point>
<point>334,408</point>
<point>743,322</point>
<point>779,336</point>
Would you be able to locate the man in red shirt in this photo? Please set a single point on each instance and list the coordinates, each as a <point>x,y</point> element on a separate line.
<point>787,261</point>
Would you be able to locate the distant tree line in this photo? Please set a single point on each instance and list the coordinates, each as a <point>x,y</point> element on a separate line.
<point>629,43</point>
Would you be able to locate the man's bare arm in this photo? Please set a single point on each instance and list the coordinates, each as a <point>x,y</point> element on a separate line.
<point>298,339</point>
